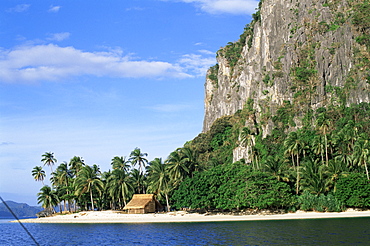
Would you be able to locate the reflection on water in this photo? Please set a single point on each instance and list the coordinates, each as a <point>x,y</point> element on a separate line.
<point>287,232</point>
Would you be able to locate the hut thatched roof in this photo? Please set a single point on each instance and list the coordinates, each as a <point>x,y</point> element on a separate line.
<point>139,201</point>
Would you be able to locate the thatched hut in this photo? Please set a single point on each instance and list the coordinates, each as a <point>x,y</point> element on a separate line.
<point>142,203</point>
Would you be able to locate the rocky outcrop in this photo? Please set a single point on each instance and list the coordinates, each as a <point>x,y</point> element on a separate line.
<point>300,51</point>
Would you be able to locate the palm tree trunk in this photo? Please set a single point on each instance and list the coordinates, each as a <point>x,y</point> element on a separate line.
<point>326,150</point>
<point>168,205</point>
<point>298,177</point>
<point>367,172</point>
<point>92,201</point>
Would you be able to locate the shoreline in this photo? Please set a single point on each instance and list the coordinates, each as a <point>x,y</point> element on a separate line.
<point>94,217</point>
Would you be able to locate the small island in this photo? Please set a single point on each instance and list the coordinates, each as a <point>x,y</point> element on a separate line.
<point>286,129</point>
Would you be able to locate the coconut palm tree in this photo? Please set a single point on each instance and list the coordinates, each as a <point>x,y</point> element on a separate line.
<point>177,167</point>
<point>324,125</point>
<point>319,147</point>
<point>292,146</point>
<point>49,159</point>
<point>88,181</point>
<point>38,174</point>
<point>120,186</point>
<point>189,157</point>
<point>48,198</point>
<point>276,166</point>
<point>314,178</point>
<point>75,164</point>
<point>247,140</point>
<point>159,179</point>
<point>138,180</point>
<point>61,179</point>
<point>120,163</point>
<point>138,158</point>
<point>362,152</point>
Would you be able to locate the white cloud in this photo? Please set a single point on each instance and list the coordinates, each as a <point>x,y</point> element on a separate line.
<point>59,36</point>
<point>198,64</point>
<point>19,8</point>
<point>237,7</point>
<point>52,62</point>
<point>54,9</point>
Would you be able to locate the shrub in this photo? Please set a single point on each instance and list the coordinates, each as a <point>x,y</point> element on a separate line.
<point>353,190</point>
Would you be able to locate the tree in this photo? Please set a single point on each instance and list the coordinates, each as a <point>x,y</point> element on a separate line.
<point>189,157</point>
<point>324,126</point>
<point>362,152</point>
<point>292,145</point>
<point>49,159</point>
<point>276,167</point>
<point>38,174</point>
<point>47,197</point>
<point>314,178</point>
<point>75,164</point>
<point>159,179</point>
<point>177,167</point>
<point>60,180</point>
<point>138,158</point>
<point>247,140</point>
<point>119,185</point>
<point>120,163</point>
<point>319,146</point>
<point>88,181</point>
<point>138,180</point>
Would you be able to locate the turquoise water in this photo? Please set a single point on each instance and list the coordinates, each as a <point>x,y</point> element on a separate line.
<point>287,232</point>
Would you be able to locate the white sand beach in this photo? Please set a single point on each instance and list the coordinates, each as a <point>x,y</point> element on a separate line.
<point>181,216</point>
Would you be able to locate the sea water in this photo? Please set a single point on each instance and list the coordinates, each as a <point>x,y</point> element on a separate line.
<point>348,231</point>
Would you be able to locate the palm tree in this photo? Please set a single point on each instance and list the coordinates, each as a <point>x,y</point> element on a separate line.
<point>49,159</point>
<point>292,145</point>
<point>189,157</point>
<point>138,158</point>
<point>60,179</point>
<point>276,166</point>
<point>138,180</point>
<point>177,167</point>
<point>362,152</point>
<point>38,174</point>
<point>119,185</point>
<point>48,198</point>
<point>159,179</point>
<point>324,126</point>
<point>120,163</point>
<point>88,181</point>
<point>75,164</point>
<point>319,147</point>
<point>314,178</point>
<point>247,140</point>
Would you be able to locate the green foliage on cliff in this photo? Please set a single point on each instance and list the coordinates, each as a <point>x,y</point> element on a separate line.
<point>312,161</point>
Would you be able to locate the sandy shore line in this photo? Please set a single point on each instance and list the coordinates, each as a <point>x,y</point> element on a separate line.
<point>116,217</point>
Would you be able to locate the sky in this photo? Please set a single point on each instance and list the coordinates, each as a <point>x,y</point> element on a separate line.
<point>97,79</point>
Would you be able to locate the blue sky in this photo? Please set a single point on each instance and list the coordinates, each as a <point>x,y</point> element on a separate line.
<point>98,78</point>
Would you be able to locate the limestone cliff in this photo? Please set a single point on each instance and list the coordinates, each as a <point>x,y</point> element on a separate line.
<point>307,53</point>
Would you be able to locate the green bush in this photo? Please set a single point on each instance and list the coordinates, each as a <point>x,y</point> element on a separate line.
<point>233,186</point>
<point>353,190</point>
<point>321,203</point>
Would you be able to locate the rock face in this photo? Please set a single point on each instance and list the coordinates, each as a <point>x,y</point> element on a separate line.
<point>302,52</point>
